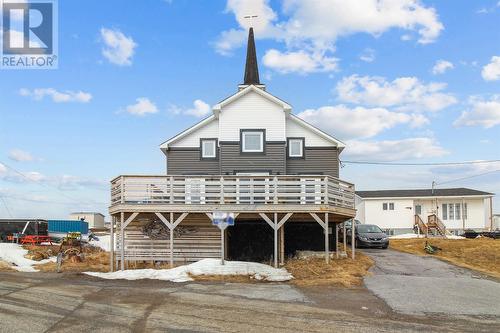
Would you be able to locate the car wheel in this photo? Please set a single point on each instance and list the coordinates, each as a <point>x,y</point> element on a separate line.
<point>385,247</point>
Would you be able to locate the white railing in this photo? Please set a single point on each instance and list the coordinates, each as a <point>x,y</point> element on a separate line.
<point>220,190</point>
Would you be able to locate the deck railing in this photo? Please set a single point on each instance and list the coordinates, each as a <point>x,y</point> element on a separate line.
<point>220,190</point>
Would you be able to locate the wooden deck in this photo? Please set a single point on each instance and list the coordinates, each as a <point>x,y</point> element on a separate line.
<point>181,203</point>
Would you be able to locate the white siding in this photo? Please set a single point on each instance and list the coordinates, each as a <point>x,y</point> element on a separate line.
<point>399,218</point>
<point>371,212</point>
<point>294,129</point>
<point>210,130</point>
<point>252,111</point>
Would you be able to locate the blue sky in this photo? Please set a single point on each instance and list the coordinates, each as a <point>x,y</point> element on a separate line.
<point>407,81</point>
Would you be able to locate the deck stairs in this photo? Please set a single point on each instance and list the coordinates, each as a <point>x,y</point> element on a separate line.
<point>433,227</point>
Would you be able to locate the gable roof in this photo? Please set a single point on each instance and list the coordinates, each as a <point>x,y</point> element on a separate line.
<point>440,192</point>
<point>217,107</point>
<point>187,131</point>
<point>319,132</point>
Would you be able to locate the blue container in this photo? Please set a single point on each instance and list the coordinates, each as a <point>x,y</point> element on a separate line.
<point>65,226</point>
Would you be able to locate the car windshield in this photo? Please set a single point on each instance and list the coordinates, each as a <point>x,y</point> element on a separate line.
<point>364,228</point>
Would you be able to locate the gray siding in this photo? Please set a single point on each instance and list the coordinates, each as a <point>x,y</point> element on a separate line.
<point>318,160</point>
<point>187,161</point>
<point>273,160</point>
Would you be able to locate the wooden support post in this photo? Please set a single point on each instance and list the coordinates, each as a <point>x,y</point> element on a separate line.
<point>337,240</point>
<point>344,238</point>
<point>282,245</point>
<point>275,240</point>
<point>353,238</point>
<point>111,244</point>
<point>327,248</point>
<point>122,241</point>
<point>171,243</point>
<point>222,241</point>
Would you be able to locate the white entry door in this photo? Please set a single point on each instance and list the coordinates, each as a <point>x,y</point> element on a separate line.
<point>195,190</point>
<point>310,191</point>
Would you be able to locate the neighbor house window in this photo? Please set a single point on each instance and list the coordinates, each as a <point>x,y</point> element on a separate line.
<point>464,211</point>
<point>208,148</point>
<point>457,211</point>
<point>388,206</point>
<point>252,141</point>
<point>445,211</point>
<point>296,147</point>
<point>451,212</point>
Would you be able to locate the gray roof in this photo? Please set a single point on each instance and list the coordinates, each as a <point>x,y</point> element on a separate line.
<point>439,192</point>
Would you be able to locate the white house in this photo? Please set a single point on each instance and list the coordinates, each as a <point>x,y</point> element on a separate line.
<point>95,220</point>
<point>397,211</point>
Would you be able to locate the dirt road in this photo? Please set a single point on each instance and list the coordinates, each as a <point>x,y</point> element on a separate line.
<point>45,302</point>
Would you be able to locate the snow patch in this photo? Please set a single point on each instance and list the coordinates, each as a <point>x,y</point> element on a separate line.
<point>406,236</point>
<point>454,237</point>
<point>202,267</point>
<point>14,254</point>
<point>103,242</point>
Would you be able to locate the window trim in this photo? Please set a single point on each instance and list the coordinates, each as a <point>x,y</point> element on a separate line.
<point>215,140</point>
<point>289,146</point>
<point>263,140</point>
<point>385,206</point>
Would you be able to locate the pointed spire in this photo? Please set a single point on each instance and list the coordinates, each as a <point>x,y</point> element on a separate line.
<point>251,67</point>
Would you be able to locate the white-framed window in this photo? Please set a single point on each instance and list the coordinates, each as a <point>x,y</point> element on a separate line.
<point>295,148</point>
<point>454,211</point>
<point>208,148</point>
<point>391,205</point>
<point>384,206</point>
<point>252,141</point>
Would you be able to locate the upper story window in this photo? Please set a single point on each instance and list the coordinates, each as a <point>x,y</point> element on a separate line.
<point>296,147</point>
<point>208,148</point>
<point>252,141</point>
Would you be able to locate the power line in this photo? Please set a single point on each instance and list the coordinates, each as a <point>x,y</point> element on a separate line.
<point>419,164</point>
<point>74,200</point>
<point>6,207</point>
<point>468,177</point>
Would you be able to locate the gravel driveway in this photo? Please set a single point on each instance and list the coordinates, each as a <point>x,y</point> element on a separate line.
<point>412,284</point>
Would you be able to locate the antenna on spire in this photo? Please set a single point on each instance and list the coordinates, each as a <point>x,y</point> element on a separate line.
<point>250,17</point>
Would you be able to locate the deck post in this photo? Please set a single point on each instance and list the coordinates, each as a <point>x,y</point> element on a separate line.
<point>353,239</point>
<point>327,249</point>
<point>344,238</point>
<point>122,242</point>
<point>282,245</point>
<point>337,240</point>
<point>111,244</point>
<point>275,240</point>
<point>171,243</point>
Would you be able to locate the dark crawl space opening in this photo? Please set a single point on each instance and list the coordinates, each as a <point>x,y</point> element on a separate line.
<point>254,240</point>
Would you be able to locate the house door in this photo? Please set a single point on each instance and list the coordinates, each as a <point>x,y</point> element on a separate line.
<point>257,189</point>
<point>418,209</point>
<point>195,190</point>
<point>310,189</point>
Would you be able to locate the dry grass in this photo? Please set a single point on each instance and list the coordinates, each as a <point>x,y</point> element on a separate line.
<point>344,272</point>
<point>95,260</point>
<point>5,267</point>
<point>480,254</point>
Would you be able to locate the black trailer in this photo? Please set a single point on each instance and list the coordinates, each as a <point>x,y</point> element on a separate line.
<point>34,227</point>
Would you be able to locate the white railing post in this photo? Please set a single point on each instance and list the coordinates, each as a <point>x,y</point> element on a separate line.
<point>171,190</point>
<point>325,184</point>
<point>275,190</point>
<point>221,190</point>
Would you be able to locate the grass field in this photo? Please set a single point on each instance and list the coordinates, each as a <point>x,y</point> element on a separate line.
<point>480,254</point>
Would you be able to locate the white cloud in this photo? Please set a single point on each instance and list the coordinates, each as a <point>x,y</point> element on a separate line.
<point>199,109</point>
<point>441,66</point>
<point>358,122</point>
<point>491,71</point>
<point>57,96</point>
<point>404,93</point>
<point>368,55</point>
<point>19,155</point>
<point>118,48</point>
<point>142,107</point>
<point>299,61</point>
<point>314,26</point>
<point>3,169</point>
<point>485,113</point>
<point>393,150</point>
